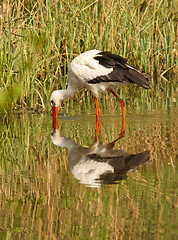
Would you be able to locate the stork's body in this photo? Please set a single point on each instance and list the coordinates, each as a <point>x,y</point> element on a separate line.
<point>98,71</point>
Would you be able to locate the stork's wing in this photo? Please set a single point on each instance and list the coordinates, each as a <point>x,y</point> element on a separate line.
<point>95,67</point>
<point>121,71</point>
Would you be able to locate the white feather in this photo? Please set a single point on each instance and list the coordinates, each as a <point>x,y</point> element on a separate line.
<point>84,68</point>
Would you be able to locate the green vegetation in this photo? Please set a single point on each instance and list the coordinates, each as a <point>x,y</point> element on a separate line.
<point>39,39</point>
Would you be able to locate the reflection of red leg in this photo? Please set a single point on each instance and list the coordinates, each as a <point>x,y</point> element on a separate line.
<point>55,112</point>
<point>122,133</point>
<point>97,108</point>
<point>97,119</point>
<point>97,128</point>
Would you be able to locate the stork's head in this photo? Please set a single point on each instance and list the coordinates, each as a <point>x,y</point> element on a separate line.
<point>56,98</point>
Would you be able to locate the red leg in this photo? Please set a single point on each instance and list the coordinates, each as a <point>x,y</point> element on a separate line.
<point>123,113</point>
<point>114,93</point>
<point>97,119</point>
<point>97,108</point>
<point>121,102</point>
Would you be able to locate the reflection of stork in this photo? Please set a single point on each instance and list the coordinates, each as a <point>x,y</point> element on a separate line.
<point>98,164</point>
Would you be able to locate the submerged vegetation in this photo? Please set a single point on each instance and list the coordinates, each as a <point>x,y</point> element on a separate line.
<point>39,40</point>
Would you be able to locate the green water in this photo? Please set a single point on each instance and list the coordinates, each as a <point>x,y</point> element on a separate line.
<point>44,195</point>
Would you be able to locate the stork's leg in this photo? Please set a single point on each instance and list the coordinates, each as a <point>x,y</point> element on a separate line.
<point>97,108</point>
<point>123,112</point>
<point>97,119</point>
<point>121,102</point>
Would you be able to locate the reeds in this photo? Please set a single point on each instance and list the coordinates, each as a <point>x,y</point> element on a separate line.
<point>39,40</point>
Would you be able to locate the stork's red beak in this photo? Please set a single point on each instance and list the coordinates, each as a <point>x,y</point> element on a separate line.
<point>55,112</point>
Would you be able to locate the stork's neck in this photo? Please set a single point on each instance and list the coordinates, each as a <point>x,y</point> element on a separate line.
<point>69,92</point>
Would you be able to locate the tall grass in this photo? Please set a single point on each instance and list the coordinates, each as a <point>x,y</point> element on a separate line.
<point>39,40</point>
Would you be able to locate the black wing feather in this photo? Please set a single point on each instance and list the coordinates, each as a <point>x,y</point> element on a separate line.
<point>122,71</point>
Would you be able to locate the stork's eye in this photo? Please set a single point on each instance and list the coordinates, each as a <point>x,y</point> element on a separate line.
<point>52,103</point>
<point>53,132</point>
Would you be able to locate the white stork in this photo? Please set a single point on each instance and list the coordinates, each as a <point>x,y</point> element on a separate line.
<point>98,71</point>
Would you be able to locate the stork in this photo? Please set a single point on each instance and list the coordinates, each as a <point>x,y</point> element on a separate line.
<point>98,71</point>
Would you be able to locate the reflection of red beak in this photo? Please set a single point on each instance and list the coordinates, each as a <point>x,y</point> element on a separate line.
<point>55,112</point>
<point>55,126</point>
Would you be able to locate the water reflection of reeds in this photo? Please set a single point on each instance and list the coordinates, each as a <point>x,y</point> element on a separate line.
<point>39,197</point>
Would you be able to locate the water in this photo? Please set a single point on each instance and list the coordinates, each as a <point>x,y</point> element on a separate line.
<point>69,183</point>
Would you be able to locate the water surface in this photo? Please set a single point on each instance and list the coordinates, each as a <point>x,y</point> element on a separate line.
<point>63,184</point>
